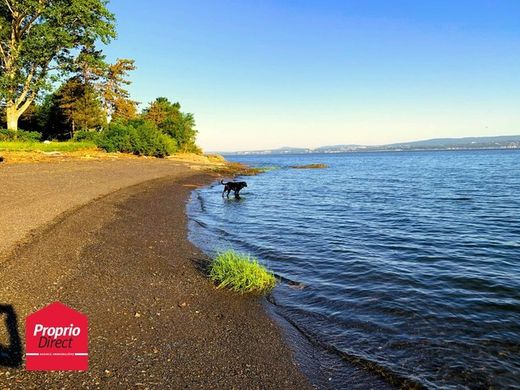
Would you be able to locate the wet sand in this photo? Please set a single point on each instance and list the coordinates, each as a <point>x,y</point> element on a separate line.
<point>155,320</point>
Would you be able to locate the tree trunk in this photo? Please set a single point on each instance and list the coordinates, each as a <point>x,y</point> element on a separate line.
<point>12,116</point>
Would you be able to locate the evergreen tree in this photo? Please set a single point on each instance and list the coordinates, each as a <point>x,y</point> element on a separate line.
<point>80,105</point>
<point>171,121</point>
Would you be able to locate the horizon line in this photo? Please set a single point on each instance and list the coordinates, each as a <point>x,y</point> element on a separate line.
<point>360,145</point>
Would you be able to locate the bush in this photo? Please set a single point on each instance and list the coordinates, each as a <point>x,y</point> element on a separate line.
<point>20,135</point>
<point>241,273</point>
<point>117,138</point>
<point>151,142</point>
<point>84,135</point>
<point>138,137</point>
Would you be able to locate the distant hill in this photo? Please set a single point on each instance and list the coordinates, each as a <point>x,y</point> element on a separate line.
<point>499,142</point>
<point>466,142</point>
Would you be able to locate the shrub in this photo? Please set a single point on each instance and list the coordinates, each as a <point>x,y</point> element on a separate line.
<point>241,273</point>
<point>5,135</point>
<point>83,135</point>
<point>20,135</point>
<point>117,138</point>
<point>151,142</point>
<point>138,137</point>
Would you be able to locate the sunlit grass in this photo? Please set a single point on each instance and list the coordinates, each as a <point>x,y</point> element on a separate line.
<point>68,146</point>
<point>241,273</point>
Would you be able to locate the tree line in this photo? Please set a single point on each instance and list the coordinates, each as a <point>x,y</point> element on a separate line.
<point>54,80</point>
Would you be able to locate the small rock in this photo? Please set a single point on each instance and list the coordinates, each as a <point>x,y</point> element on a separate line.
<point>296,285</point>
<point>53,154</point>
<point>183,304</point>
<point>137,315</point>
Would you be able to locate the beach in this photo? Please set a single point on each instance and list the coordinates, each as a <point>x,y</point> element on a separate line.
<point>109,238</point>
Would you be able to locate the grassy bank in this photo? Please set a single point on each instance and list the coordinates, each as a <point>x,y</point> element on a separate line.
<point>68,146</point>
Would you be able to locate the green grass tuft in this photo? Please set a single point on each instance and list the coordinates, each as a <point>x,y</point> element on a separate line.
<point>241,273</point>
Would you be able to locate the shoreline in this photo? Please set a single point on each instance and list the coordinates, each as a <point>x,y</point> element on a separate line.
<point>141,332</point>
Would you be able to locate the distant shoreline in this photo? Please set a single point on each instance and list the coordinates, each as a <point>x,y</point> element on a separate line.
<point>466,143</point>
<point>366,151</point>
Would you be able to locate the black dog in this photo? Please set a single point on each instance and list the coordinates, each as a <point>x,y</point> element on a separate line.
<point>234,186</point>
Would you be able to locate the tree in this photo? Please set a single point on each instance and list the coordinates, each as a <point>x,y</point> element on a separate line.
<point>38,39</point>
<point>109,81</point>
<point>124,109</point>
<point>81,106</point>
<point>161,109</point>
<point>116,99</point>
<point>171,121</point>
<point>184,132</point>
<point>89,66</point>
<point>52,120</point>
<point>88,112</point>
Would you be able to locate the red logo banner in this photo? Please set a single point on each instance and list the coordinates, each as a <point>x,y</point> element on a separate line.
<point>56,339</point>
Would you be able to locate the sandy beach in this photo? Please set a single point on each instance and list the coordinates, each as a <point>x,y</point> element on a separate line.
<point>109,238</point>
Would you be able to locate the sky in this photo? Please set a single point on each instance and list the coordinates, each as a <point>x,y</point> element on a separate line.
<point>307,73</point>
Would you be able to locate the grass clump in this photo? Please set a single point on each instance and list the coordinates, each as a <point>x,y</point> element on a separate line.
<point>241,273</point>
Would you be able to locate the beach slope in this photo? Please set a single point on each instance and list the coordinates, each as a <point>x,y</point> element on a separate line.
<point>155,319</point>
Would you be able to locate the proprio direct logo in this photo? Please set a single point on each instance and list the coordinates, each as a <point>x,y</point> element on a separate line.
<point>56,339</point>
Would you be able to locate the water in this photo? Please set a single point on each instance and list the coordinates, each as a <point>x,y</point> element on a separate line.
<point>406,266</point>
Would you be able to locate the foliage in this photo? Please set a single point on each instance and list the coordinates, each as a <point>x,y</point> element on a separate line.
<point>118,138</point>
<point>241,273</point>
<point>108,81</point>
<point>69,146</point>
<point>151,142</point>
<point>161,110</point>
<point>80,105</point>
<point>36,35</point>
<point>84,135</point>
<point>116,98</point>
<point>43,42</point>
<point>49,118</point>
<point>124,109</point>
<point>139,137</point>
<point>171,121</point>
<point>21,136</point>
<point>74,106</point>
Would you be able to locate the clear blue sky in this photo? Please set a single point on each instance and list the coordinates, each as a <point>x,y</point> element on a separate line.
<point>270,73</point>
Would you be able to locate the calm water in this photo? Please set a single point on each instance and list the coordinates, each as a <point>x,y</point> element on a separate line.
<point>405,266</point>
